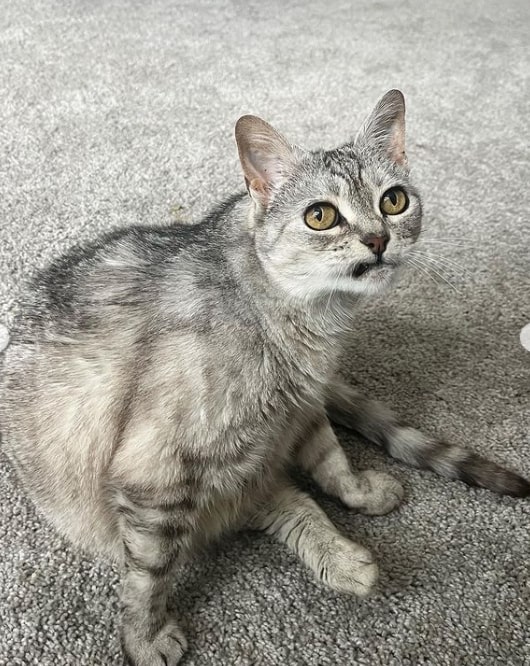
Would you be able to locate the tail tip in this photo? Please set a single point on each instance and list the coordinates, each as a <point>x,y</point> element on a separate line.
<point>479,472</point>
<point>518,486</point>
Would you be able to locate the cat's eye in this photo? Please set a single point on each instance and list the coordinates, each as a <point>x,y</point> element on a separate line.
<point>321,216</point>
<point>394,201</point>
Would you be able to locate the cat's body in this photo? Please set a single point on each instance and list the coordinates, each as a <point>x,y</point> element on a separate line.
<point>162,381</point>
<point>122,325</point>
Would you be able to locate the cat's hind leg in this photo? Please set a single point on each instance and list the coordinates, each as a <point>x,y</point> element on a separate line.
<point>321,455</point>
<point>154,536</point>
<point>347,407</point>
<point>294,518</point>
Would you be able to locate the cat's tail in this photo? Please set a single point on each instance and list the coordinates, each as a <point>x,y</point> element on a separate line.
<point>379,425</point>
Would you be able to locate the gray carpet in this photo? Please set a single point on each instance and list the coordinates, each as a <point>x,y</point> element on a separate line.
<point>116,112</point>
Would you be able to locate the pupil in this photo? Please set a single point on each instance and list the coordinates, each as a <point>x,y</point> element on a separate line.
<point>318,213</point>
<point>392,195</point>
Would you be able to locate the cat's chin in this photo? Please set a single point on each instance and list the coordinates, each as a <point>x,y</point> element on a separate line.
<point>370,279</point>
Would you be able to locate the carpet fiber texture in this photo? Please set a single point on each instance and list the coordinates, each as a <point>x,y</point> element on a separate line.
<point>113,113</point>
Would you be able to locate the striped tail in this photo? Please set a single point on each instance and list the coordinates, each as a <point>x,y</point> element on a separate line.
<point>379,425</point>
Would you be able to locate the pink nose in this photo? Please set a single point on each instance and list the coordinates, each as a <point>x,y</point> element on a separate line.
<point>376,243</point>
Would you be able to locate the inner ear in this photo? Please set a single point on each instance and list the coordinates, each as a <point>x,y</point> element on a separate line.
<point>384,129</point>
<point>267,159</point>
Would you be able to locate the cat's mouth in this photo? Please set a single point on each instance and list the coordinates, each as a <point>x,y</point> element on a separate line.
<point>361,269</point>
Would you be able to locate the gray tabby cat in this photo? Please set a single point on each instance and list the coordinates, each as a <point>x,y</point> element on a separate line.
<point>162,381</point>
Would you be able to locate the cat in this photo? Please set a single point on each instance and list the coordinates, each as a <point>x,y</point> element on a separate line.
<point>162,381</point>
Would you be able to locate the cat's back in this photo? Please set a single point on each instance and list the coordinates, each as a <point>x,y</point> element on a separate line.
<point>102,306</point>
<point>119,273</point>
<point>92,324</point>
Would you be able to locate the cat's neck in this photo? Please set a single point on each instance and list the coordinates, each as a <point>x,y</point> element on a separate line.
<point>319,324</point>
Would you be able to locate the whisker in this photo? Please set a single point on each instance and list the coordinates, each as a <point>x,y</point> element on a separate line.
<point>448,239</point>
<point>419,264</point>
<point>425,230</point>
<point>448,264</point>
<point>443,277</point>
<point>468,246</point>
<point>332,293</point>
<point>463,241</point>
<point>425,241</point>
<point>451,264</point>
<point>409,260</point>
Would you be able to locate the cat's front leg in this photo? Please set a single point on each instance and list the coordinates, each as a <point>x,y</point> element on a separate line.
<point>321,455</point>
<point>294,518</point>
<point>154,536</point>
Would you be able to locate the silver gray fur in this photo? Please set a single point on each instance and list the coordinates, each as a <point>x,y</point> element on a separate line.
<point>162,381</point>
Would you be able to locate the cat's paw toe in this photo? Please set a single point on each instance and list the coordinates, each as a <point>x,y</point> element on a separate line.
<point>351,569</point>
<point>165,649</point>
<point>381,493</point>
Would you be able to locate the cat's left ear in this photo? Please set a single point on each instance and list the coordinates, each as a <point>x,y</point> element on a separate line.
<point>266,157</point>
<point>384,129</point>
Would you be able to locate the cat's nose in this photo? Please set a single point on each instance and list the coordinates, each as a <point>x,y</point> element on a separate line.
<point>376,243</point>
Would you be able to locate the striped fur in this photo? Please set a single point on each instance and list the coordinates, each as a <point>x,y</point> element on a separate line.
<point>162,380</point>
<point>370,492</point>
<point>295,519</point>
<point>375,422</point>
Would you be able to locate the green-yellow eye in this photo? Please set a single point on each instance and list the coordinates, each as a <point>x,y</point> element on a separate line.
<point>394,201</point>
<point>321,216</point>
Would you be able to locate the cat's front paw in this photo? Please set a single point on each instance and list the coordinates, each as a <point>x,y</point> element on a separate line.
<point>351,568</point>
<point>165,649</point>
<point>378,493</point>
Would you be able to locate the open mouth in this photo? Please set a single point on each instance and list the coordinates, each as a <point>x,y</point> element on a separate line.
<point>360,269</point>
<point>374,267</point>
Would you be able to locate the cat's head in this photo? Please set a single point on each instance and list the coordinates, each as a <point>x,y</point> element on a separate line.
<point>337,220</point>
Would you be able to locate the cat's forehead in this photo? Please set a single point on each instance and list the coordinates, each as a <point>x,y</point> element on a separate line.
<point>350,173</point>
<point>339,171</point>
<point>343,162</point>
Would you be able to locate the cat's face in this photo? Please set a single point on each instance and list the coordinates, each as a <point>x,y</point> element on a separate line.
<point>332,221</point>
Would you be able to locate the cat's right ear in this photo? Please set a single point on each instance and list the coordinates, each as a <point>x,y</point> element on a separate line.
<point>266,157</point>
